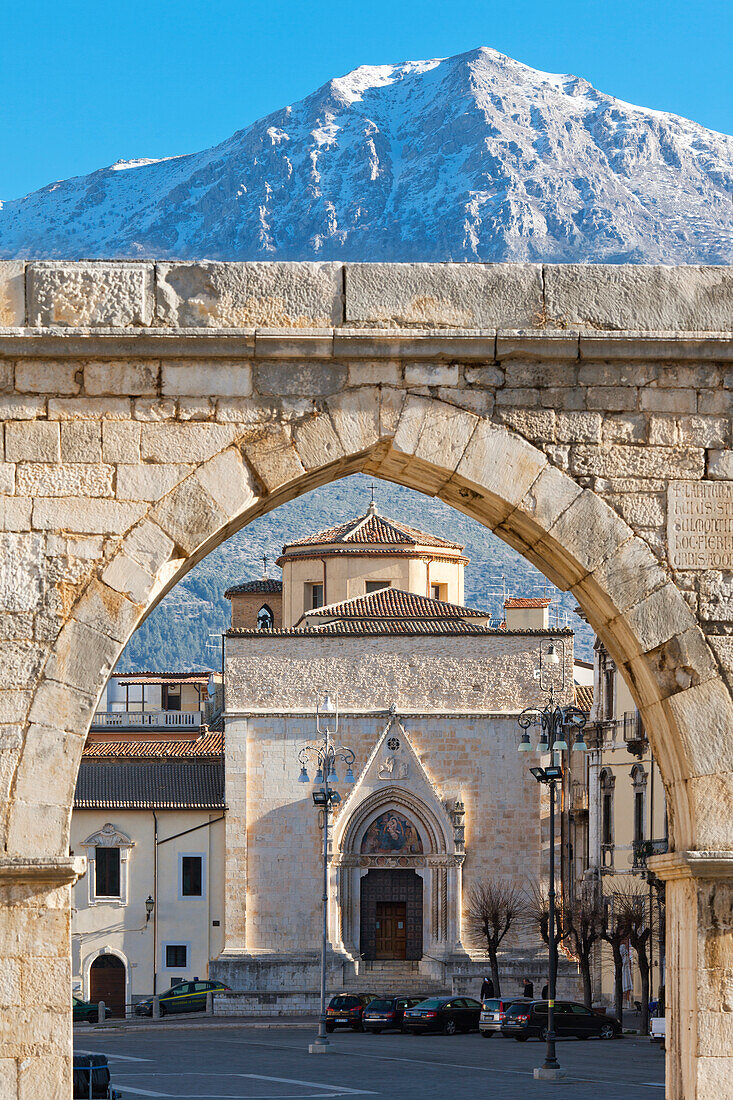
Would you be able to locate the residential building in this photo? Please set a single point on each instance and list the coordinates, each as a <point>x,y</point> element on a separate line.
<point>149,816</point>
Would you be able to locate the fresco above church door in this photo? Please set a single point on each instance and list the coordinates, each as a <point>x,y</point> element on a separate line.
<point>391,834</point>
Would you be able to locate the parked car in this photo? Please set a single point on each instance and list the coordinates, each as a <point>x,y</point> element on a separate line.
<point>529,1020</point>
<point>91,1078</point>
<point>446,1014</point>
<point>184,997</point>
<point>347,1010</point>
<point>84,1010</point>
<point>658,1031</point>
<point>387,1014</point>
<point>493,1013</point>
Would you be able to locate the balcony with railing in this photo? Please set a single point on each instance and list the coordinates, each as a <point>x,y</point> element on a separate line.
<point>146,719</point>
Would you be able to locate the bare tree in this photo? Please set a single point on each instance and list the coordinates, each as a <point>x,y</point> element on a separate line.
<point>538,912</point>
<point>583,925</point>
<point>636,915</point>
<point>493,906</point>
<point>615,933</point>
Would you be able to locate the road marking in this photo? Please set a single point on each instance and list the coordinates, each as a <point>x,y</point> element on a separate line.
<point>113,1057</point>
<point>339,1090</point>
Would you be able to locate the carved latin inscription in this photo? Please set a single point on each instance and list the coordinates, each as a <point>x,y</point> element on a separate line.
<point>700,525</point>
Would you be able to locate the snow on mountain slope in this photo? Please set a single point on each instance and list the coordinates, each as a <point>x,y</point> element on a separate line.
<point>475,157</point>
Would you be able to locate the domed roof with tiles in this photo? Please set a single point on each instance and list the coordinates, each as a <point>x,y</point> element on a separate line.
<point>371,529</point>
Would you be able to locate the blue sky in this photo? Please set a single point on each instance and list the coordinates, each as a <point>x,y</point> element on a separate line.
<point>84,83</point>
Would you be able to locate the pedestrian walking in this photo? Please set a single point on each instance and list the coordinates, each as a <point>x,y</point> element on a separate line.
<point>528,988</point>
<point>487,989</point>
<point>544,992</point>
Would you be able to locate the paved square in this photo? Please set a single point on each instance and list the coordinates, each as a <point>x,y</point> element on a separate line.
<point>244,1063</point>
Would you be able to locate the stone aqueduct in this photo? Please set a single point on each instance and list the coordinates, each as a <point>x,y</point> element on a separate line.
<point>582,413</point>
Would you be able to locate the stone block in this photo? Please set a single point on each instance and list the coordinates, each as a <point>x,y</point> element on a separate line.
<point>628,428</point>
<point>87,479</point>
<point>669,401</point>
<point>588,532</point>
<point>658,617</point>
<point>214,378</point>
<point>716,595</point>
<point>81,441</point>
<point>43,981</point>
<point>431,374</point>
<point>317,442</point>
<point>484,376</point>
<point>154,408</point>
<point>22,572</point>
<point>189,515</point>
<point>500,463</point>
<point>120,441</point>
<point>19,407</point>
<point>10,991</point>
<point>273,457</point>
<point>628,575</point>
<point>184,442</point>
<point>32,441</point>
<point>48,376</point>
<point>720,465</point>
<point>249,295</point>
<point>59,705</point>
<point>620,460</point>
<point>722,646</point>
<point>127,577</point>
<point>12,293</point>
<point>196,408</point>
<point>148,546</point>
<point>149,480</point>
<point>706,707</point>
<point>82,657</point>
<point>15,514</point>
<point>113,295</point>
<point>7,478</point>
<point>375,372</point>
<point>640,509</point>
<point>301,379</point>
<point>355,417</point>
<point>534,424</point>
<point>473,296</point>
<point>48,766</point>
<point>578,427</point>
<point>84,516</point>
<point>130,378</point>
<point>89,408</point>
<point>613,398</point>
<point>548,497</point>
<point>227,479</point>
<point>639,298</point>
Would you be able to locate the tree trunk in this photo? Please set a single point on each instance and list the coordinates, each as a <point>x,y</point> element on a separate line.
<point>618,982</point>
<point>587,983</point>
<point>494,970</point>
<point>644,972</point>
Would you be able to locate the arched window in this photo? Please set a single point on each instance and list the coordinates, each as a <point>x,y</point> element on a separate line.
<point>639,778</point>
<point>265,618</point>
<point>607,780</point>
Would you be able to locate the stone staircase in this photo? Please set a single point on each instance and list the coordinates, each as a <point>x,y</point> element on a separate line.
<point>394,977</point>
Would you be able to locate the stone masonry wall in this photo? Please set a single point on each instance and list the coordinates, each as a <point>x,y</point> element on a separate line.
<point>582,412</point>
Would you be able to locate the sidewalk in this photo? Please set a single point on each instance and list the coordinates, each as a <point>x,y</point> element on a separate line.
<point>198,1020</point>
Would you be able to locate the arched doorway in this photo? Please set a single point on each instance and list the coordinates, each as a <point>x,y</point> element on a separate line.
<point>107,982</point>
<point>391,915</point>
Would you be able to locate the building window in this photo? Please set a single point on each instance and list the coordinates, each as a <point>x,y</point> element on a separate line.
<point>171,697</point>
<point>192,876</point>
<point>107,872</point>
<point>375,586</point>
<point>265,618</point>
<point>639,777</point>
<point>607,815</point>
<point>313,596</point>
<point>607,781</point>
<point>176,956</point>
<point>608,692</point>
<point>439,591</point>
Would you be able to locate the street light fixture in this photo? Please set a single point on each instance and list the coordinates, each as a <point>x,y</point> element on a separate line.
<point>324,754</point>
<point>149,906</point>
<point>556,721</point>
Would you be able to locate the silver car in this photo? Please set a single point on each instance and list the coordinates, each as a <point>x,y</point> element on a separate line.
<point>493,1013</point>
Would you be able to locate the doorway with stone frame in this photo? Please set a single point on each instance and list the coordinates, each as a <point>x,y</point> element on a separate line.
<point>391,915</point>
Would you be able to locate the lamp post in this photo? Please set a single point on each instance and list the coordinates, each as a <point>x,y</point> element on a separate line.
<point>324,754</point>
<point>555,721</point>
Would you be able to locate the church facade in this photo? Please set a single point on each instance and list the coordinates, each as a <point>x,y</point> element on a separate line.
<point>371,613</point>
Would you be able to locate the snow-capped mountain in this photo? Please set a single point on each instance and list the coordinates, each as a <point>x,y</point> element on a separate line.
<point>474,157</point>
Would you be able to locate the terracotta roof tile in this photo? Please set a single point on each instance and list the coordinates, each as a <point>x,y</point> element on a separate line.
<point>584,696</point>
<point>395,603</point>
<point>373,530</point>
<point>524,601</point>
<point>145,676</point>
<point>209,744</point>
<point>265,584</point>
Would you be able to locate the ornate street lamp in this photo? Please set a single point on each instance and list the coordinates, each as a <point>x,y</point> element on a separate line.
<point>556,722</point>
<point>324,755</point>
